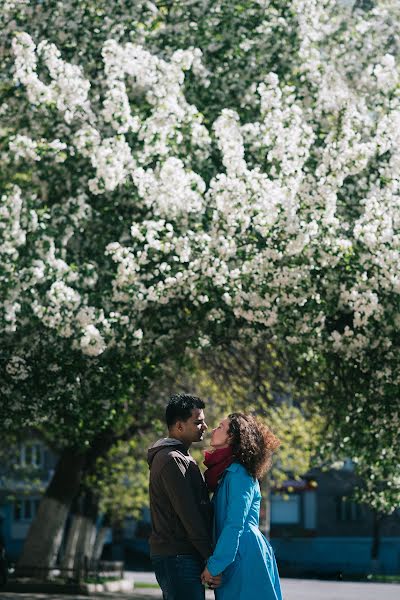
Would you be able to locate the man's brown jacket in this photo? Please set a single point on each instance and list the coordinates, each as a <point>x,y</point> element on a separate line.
<point>179,504</point>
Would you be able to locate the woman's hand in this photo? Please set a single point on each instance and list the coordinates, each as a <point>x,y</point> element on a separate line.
<point>212,581</point>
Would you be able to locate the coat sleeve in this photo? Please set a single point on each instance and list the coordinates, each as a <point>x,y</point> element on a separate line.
<point>239,496</point>
<point>181,495</point>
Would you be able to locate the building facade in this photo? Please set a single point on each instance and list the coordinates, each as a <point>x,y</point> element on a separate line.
<point>22,484</point>
<point>317,530</point>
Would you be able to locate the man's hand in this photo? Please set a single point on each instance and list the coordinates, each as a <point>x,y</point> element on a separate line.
<point>212,581</point>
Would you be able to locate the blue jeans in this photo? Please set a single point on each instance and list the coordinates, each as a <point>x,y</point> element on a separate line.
<point>179,576</point>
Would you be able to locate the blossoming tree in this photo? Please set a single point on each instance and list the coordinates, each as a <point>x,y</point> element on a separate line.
<point>156,196</point>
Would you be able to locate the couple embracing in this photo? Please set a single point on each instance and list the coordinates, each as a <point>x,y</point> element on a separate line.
<point>195,542</point>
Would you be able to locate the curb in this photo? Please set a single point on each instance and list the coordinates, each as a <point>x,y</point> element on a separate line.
<point>85,589</point>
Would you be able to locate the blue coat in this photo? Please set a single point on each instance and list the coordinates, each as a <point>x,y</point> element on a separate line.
<point>242,553</point>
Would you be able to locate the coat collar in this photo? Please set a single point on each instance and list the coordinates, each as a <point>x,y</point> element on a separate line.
<point>234,467</point>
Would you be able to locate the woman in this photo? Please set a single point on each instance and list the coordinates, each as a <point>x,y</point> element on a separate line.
<point>242,451</point>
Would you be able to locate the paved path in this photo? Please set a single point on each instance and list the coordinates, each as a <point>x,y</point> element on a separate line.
<point>306,589</point>
<point>293,589</point>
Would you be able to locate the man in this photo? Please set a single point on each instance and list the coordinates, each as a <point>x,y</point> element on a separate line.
<point>180,541</point>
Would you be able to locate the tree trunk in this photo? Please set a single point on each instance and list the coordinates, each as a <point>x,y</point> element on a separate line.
<point>376,541</point>
<point>100,539</point>
<point>68,562</point>
<point>44,538</point>
<point>45,535</point>
<point>87,532</point>
<point>72,536</point>
<point>99,543</point>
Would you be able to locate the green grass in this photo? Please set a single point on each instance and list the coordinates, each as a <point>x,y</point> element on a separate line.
<point>142,584</point>
<point>384,578</point>
<point>101,579</point>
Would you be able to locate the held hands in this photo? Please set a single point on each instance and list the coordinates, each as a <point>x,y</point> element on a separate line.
<point>210,580</point>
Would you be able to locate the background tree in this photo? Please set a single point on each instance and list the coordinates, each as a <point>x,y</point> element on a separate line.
<point>134,226</point>
<point>255,376</point>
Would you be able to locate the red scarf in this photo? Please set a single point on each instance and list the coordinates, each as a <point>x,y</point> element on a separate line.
<point>216,461</point>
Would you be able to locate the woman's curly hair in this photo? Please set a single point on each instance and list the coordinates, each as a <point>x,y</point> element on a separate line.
<point>253,443</point>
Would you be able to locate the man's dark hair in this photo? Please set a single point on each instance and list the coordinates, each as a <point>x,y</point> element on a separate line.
<point>180,406</point>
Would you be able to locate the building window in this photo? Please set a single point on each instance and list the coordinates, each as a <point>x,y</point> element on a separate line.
<point>25,509</point>
<point>285,509</point>
<point>310,510</point>
<point>31,455</point>
<point>347,510</point>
